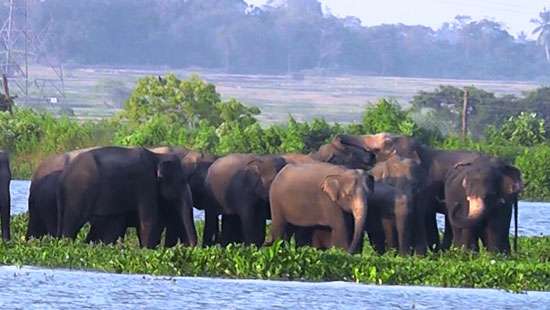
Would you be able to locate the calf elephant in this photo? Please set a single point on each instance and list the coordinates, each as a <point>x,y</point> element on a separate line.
<point>107,186</point>
<point>405,176</point>
<point>320,195</point>
<point>435,165</point>
<point>239,184</point>
<point>479,196</point>
<point>43,194</point>
<point>5,205</point>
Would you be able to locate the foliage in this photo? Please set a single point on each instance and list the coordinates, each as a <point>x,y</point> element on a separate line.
<point>535,166</point>
<point>387,116</point>
<point>527,270</point>
<point>526,129</point>
<point>183,103</point>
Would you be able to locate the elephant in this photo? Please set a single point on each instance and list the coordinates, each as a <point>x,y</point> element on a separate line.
<point>112,186</point>
<point>239,185</point>
<point>195,165</point>
<point>320,195</point>
<point>42,200</point>
<point>5,204</point>
<point>405,176</point>
<point>479,197</point>
<point>435,165</point>
<point>388,210</point>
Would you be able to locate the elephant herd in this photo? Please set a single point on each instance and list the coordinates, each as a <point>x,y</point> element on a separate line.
<point>388,186</point>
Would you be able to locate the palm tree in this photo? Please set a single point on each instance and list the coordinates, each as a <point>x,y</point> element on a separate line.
<point>543,30</point>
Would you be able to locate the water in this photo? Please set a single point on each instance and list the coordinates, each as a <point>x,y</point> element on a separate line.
<point>41,288</point>
<point>533,216</point>
<point>37,288</point>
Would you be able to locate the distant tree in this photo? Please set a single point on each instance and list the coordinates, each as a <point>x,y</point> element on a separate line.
<point>543,30</point>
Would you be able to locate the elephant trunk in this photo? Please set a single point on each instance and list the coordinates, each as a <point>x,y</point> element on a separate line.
<point>359,210</point>
<point>186,214</point>
<point>476,211</point>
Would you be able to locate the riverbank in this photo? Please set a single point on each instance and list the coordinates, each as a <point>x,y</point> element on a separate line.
<point>527,270</point>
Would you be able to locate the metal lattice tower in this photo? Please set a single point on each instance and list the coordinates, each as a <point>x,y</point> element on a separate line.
<point>21,47</point>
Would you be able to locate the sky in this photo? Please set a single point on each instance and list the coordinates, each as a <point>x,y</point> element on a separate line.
<point>515,14</point>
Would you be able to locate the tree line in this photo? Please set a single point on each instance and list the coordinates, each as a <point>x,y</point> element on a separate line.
<point>293,36</point>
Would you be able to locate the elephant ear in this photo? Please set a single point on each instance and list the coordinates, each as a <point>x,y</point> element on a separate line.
<point>338,187</point>
<point>254,171</point>
<point>512,183</point>
<point>331,187</point>
<point>169,169</point>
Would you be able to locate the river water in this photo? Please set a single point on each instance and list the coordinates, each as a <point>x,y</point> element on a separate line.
<point>37,288</point>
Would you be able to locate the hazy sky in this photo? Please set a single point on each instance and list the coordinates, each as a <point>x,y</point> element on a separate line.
<point>515,14</point>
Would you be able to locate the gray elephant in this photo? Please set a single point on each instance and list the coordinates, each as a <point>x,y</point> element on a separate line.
<point>109,186</point>
<point>42,200</point>
<point>435,165</point>
<point>5,205</point>
<point>320,195</point>
<point>479,197</point>
<point>195,165</point>
<point>239,185</point>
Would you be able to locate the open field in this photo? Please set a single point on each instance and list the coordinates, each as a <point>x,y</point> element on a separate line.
<point>97,92</point>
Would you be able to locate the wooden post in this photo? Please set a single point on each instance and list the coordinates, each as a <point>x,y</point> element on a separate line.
<point>465,115</point>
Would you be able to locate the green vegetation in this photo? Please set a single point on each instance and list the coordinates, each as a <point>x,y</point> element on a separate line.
<point>190,113</point>
<point>527,270</point>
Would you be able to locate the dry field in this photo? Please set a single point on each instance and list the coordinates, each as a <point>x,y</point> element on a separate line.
<point>89,91</point>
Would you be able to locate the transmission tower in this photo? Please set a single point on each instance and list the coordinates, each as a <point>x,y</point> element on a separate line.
<point>21,47</point>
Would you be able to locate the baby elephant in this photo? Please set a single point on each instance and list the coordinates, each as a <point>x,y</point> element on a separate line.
<point>320,194</point>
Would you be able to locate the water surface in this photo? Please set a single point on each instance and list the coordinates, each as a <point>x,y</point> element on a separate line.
<point>42,288</point>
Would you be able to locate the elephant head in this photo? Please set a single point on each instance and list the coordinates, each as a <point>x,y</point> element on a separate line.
<point>385,145</point>
<point>349,191</point>
<point>261,172</point>
<point>339,153</point>
<point>486,184</point>
<point>174,188</point>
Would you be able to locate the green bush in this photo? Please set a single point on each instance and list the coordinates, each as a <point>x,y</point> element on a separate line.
<point>527,270</point>
<point>534,164</point>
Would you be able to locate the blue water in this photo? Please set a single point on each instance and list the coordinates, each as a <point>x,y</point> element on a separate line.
<point>42,288</point>
<point>37,288</point>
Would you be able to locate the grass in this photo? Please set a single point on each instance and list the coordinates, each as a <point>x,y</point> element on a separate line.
<point>527,270</point>
<point>276,96</point>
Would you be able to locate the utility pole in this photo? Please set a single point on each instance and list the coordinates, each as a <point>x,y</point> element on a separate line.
<point>465,115</point>
<point>21,47</point>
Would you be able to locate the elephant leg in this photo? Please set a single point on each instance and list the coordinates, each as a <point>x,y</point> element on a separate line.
<point>321,238</point>
<point>231,229</point>
<point>447,235</point>
<point>148,222</point>
<point>339,232</point>
<point>278,226</point>
<point>109,229</point>
<point>211,227</point>
<point>302,235</point>
<point>36,228</point>
<point>375,231</point>
<point>404,232</point>
<point>470,239</point>
<point>390,234</point>
<point>92,236</point>
<point>253,225</point>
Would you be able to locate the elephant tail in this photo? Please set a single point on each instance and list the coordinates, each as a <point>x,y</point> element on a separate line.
<point>516,224</point>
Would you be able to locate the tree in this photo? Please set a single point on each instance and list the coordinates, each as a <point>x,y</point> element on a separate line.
<point>183,102</point>
<point>543,30</point>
